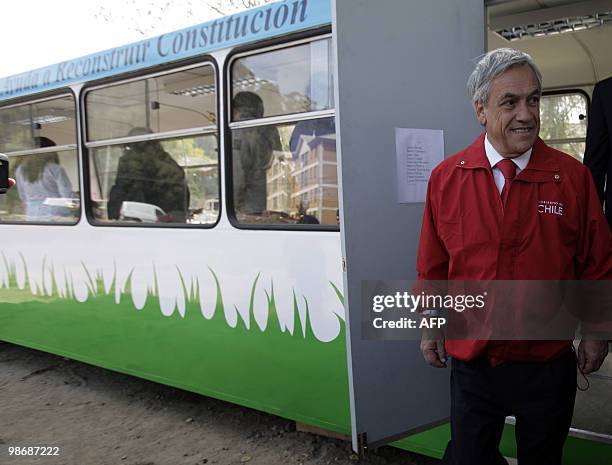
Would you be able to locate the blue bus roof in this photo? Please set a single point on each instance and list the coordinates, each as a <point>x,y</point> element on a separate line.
<point>275,19</point>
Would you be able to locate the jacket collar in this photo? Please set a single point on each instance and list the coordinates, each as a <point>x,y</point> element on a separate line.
<point>542,158</point>
<point>474,156</point>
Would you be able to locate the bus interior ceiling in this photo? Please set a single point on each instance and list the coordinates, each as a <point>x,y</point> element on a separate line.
<point>569,61</point>
<point>176,100</point>
<point>575,59</point>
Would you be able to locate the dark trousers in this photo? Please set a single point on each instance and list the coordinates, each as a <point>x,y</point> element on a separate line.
<point>539,394</point>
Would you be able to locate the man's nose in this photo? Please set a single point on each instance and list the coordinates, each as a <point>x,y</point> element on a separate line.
<point>524,112</point>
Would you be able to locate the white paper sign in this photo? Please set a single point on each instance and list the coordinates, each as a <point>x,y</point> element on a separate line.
<point>418,152</point>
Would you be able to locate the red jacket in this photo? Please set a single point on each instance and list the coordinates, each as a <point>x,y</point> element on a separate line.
<point>466,235</point>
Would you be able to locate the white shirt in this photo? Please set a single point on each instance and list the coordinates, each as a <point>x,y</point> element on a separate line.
<point>494,156</point>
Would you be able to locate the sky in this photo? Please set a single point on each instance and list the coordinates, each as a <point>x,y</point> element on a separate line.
<point>37,33</point>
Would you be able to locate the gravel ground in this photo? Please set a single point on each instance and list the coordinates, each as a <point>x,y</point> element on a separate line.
<point>95,416</point>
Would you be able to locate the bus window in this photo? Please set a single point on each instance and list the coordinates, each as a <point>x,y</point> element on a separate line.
<point>40,141</point>
<point>563,122</point>
<point>291,80</point>
<point>170,102</point>
<point>284,173</point>
<point>158,160</point>
<point>53,118</point>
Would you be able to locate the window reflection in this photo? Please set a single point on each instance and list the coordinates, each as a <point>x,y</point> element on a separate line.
<point>39,139</point>
<point>291,80</point>
<point>47,188</point>
<point>563,122</point>
<point>138,176</point>
<point>152,181</point>
<point>20,126</point>
<point>253,152</point>
<point>286,173</point>
<point>174,101</point>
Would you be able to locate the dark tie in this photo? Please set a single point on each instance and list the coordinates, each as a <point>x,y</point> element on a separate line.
<point>508,168</point>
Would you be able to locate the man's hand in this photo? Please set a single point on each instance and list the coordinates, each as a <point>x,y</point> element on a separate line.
<point>591,355</point>
<point>11,182</point>
<point>432,347</point>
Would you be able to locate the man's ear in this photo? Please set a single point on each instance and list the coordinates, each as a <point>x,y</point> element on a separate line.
<point>480,112</point>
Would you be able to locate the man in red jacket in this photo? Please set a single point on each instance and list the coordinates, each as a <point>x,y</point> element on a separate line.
<point>509,207</point>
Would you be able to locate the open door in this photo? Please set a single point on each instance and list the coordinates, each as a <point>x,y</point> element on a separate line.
<point>400,64</point>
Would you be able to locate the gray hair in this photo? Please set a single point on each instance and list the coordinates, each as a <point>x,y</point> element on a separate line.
<point>492,65</point>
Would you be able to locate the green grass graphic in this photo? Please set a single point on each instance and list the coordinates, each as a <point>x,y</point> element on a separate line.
<point>291,374</point>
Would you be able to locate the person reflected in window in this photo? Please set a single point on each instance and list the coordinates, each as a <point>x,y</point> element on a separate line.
<point>308,219</point>
<point>148,174</point>
<point>253,153</point>
<point>40,178</point>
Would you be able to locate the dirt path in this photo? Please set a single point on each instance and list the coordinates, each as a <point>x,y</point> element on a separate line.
<point>97,416</point>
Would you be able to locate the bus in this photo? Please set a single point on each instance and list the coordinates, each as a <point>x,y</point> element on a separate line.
<point>176,215</point>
